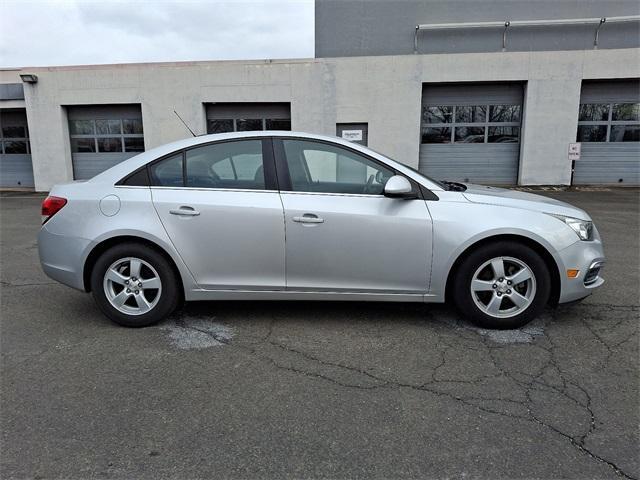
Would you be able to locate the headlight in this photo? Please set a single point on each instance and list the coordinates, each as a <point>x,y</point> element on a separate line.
<point>583,228</point>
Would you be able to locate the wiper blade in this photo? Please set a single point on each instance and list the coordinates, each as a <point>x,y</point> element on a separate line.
<point>454,186</point>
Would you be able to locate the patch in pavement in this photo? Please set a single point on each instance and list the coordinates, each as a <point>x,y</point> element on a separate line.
<point>188,333</point>
<point>526,334</point>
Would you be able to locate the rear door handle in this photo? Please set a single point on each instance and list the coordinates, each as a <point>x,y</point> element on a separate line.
<point>184,211</point>
<point>308,218</point>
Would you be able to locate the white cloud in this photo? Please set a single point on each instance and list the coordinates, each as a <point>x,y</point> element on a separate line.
<point>37,33</point>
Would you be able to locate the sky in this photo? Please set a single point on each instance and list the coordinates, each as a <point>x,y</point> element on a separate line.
<point>81,32</point>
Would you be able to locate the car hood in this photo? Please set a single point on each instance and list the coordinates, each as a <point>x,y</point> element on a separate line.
<point>516,199</point>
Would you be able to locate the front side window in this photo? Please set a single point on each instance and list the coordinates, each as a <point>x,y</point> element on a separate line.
<point>609,122</point>
<point>233,165</point>
<point>323,168</point>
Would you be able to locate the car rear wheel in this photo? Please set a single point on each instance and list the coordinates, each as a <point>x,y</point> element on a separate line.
<point>502,285</point>
<point>134,285</point>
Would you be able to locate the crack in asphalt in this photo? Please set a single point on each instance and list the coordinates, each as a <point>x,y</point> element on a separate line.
<point>528,383</point>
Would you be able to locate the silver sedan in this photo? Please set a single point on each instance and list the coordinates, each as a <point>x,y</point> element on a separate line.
<point>294,216</point>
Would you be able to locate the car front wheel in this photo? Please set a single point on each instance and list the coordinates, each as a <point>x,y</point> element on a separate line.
<point>134,285</point>
<point>502,285</point>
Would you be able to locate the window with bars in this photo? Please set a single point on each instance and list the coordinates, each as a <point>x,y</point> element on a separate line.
<point>609,122</point>
<point>247,124</point>
<point>14,139</point>
<point>471,123</point>
<point>106,135</point>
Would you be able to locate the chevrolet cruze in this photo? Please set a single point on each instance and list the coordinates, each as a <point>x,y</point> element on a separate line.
<point>295,216</point>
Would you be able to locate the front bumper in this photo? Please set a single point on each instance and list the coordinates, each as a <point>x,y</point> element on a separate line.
<point>62,257</point>
<point>588,258</point>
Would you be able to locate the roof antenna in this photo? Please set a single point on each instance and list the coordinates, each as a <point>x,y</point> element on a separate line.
<point>183,122</point>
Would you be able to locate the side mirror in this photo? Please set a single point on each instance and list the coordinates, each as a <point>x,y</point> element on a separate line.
<point>398,187</point>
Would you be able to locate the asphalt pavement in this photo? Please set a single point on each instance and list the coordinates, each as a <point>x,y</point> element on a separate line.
<point>309,390</point>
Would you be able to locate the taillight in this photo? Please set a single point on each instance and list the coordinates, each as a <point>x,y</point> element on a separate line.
<point>51,206</point>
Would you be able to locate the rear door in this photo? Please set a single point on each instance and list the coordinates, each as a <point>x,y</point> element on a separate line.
<point>220,206</point>
<point>342,233</point>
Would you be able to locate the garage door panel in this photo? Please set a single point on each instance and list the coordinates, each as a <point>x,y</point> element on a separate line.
<point>463,163</point>
<point>479,125</point>
<point>88,165</point>
<point>607,163</point>
<point>16,171</point>
<point>607,107</point>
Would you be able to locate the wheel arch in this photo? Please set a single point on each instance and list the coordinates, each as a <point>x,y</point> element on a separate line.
<point>536,246</point>
<point>107,243</point>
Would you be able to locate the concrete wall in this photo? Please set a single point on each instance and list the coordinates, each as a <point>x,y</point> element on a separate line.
<point>384,92</point>
<point>346,28</point>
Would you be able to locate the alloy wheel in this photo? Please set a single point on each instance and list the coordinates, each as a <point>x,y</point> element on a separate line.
<point>503,287</point>
<point>132,286</point>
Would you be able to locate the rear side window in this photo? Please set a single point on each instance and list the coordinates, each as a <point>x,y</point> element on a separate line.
<point>138,179</point>
<point>232,165</point>
<point>167,172</point>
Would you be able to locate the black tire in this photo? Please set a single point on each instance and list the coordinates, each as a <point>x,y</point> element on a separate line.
<point>464,298</point>
<point>169,295</point>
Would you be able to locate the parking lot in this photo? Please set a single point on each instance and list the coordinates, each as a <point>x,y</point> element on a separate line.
<point>333,390</point>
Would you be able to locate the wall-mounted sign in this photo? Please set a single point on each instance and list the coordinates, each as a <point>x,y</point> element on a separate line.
<point>574,151</point>
<point>352,135</point>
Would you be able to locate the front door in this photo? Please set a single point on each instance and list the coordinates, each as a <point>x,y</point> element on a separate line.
<point>220,206</point>
<point>342,233</point>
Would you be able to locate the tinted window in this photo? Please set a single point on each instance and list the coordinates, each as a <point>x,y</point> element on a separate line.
<point>503,134</point>
<point>625,133</point>
<point>140,178</point>
<point>106,127</point>
<point>248,124</point>
<point>220,126</point>
<point>277,124</point>
<point>504,113</point>
<point>132,126</point>
<point>167,172</point>
<point>436,135</point>
<point>442,114</point>
<point>592,133</point>
<point>109,144</point>
<point>233,165</point>
<point>471,114</point>
<point>318,167</point>
<point>625,111</point>
<point>15,146</point>
<point>14,132</point>
<point>469,134</point>
<point>594,112</point>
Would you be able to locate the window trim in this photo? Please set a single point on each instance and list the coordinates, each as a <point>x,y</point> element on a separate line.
<point>270,177</point>
<point>284,177</point>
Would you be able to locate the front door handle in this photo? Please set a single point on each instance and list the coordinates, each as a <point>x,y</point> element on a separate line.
<point>184,211</point>
<point>308,218</point>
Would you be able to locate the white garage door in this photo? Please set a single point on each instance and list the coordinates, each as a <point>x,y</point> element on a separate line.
<point>471,133</point>
<point>102,136</point>
<point>609,130</point>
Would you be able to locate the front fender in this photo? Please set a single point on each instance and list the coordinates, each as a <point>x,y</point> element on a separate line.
<point>460,225</point>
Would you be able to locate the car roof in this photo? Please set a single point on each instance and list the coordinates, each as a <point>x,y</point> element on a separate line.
<point>117,172</point>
